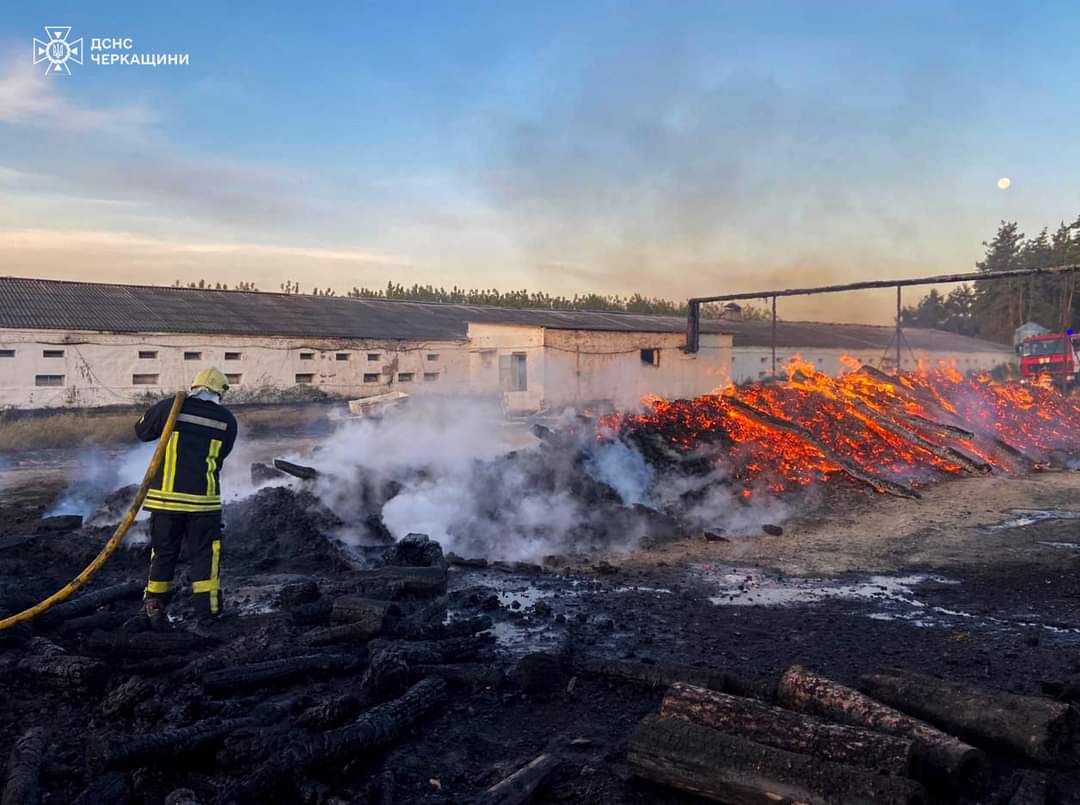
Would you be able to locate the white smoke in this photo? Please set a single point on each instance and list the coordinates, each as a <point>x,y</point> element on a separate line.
<point>623,469</point>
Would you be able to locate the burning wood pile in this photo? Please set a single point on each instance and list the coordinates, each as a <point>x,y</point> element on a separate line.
<point>890,432</point>
<point>818,741</point>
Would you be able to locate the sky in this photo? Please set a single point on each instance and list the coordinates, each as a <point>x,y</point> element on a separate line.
<point>670,148</point>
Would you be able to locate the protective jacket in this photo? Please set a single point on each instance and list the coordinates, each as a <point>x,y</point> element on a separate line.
<point>188,480</point>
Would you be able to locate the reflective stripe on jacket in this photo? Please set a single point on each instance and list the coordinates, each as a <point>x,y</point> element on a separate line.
<point>189,478</point>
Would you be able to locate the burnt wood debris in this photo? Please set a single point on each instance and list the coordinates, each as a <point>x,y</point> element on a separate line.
<point>349,659</point>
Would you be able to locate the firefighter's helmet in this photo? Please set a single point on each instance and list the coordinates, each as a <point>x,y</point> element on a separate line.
<point>211,379</point>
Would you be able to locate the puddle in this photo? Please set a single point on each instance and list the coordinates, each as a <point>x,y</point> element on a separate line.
<point>524,598</point>
<point>752,587</point>
<point>1068,546</point>
<point>888,598</point>
<point>1026,517</point>
<point>658,590</point>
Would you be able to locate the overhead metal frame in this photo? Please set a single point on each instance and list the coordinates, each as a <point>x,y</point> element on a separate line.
<point>693,321</point>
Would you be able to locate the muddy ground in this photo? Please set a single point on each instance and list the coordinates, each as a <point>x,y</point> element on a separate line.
<point>961,583</point>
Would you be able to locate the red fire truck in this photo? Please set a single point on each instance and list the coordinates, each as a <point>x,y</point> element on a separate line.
<point>1053,354</point>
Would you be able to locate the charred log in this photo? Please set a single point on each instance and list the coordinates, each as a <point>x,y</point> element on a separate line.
<point>725,768</point>
<point>122,700</point>
<point>359,632</point>
<point>378,727</point>
<point>247,677</point>
<point>370,614</point>
<point>297,593</point>
<point>452,649</point>
<point>464,627</point>
<point>88,602</point>
<point>108,789</point>
<point>127,752</point>
<point>22,786</point>
<point>939,758</point>
<point>851,469</point>
<point>88,624</point>
<point>902,430</point>
<point>143,644</point>
<point>429,613</point>
<point>65,671</point>
<point>59,524</point>
<point>392,582</point>
<point>1030,726</point>
<point>520,787</point>
<point>392,662</point>
<point>155,665</point>
<point>773,726</point>
<point>664,675</point>
<point>331,713</point>
<point>296,470</point>
<point>314,612</point>
<point>469,675</point>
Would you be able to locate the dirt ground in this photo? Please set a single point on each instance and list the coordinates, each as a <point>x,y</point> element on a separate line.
<point>961,583</point>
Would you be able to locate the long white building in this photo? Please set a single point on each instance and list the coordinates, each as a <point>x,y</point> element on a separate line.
<point>73,344</point>
<point>70,344</point>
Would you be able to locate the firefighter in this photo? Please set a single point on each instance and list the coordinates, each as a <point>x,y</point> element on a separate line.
<point>185,496</point>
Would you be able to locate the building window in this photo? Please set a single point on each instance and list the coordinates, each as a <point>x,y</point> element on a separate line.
<point>147,354</point>
<point>433,356</point>
<point>405,377</point>
<point>307,356</point>
<point>342,356</point>
<point>487,359</point>
<point>232,356</point>
<point>371,378</point>
<point>373,356</point>
<point>650,356</point>
<point>53,353</point>
<point>48,380</point>
<point>302,379</point>
<point>7,353</point>
<point>513,372</point>
<point>144,380</point>
<point>192,356</point>
<point>431,377</point>
<point>233,380</point>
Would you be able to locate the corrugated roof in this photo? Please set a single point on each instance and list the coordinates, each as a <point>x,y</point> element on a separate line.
<point>59,305</point>
<point>853,337</point>
<point>37,304</point>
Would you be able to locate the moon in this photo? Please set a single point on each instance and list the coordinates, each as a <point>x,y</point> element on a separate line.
<point>1004,182</point>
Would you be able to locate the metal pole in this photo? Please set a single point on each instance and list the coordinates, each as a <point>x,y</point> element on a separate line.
<point>693,326</point>
<point>772,338</point>
<point>941,279</point>
<point>897,328</point>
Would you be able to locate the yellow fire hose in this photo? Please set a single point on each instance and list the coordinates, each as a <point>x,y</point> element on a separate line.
<point>118,535</point>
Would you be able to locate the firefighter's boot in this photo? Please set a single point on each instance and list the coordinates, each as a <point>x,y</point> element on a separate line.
<point>156,616</point>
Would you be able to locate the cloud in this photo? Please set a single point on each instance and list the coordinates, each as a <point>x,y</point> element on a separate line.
<point>666,171</point>
<point>29,98</point>
<point>48,239</point>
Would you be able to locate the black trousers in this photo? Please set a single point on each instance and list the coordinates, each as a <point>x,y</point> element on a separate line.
<point>202,532</point>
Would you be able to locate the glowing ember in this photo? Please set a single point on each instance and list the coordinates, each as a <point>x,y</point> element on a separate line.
<point>907,429</point>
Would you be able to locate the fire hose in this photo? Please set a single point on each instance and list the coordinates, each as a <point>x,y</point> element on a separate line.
<point>118,535</point>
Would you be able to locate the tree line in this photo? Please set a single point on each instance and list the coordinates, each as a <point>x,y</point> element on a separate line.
<point>635,303</point>
<point>994,309</point>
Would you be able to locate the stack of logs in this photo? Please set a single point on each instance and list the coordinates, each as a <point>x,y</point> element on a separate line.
<point>382,633</point>
<point>816,741</point>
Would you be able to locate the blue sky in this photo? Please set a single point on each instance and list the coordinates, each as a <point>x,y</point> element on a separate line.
<point>673,148</point>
